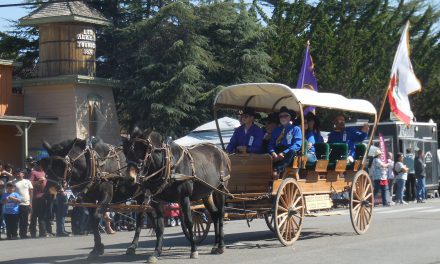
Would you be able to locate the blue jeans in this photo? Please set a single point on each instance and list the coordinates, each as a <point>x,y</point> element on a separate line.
<point>383,189</point>
<point>280,165</point>
<point>60,219</point>
<point>311,157</point>
<point>421,192</point>
<point>400,189</point>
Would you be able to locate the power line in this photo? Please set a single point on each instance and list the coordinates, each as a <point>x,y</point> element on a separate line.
<point>39,3</point>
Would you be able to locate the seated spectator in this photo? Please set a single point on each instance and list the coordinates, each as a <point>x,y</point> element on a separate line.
<point>313,135</point>
<point>248,137</point>
<point>270,123</point>
<point>285,142</point>
<point>350,136</point>
<point>10,201</point>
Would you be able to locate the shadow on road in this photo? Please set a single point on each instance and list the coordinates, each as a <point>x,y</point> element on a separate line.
<point>177,246</point>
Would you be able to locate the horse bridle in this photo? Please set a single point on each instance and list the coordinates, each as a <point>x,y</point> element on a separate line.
<point>68,162</point>
<point>145,163</point>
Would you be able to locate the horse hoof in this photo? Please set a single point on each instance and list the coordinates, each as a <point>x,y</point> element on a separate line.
<point>217,251</point>
<point>92,256</point>
<point>194,255</point>
<point>130,251</point>
<point>152,259</point>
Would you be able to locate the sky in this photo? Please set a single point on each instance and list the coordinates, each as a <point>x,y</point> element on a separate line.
<point>11,13</point>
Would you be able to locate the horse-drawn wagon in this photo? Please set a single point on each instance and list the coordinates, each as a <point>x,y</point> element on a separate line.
<point>199,178</point>
<point>304,185</point>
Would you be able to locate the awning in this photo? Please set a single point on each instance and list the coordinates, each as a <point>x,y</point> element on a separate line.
<point>16,120</point>
<point>270,97</point>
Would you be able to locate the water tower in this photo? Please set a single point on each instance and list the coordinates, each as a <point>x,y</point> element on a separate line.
<point>67,87</point>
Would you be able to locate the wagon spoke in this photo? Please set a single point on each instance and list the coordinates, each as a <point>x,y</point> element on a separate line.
<point>284,225</point>
<point>368,196</point>
<point>368,189</point>
<point>280,208</point>
<point>294,195</point>
<point>283,202</point>
<point>281,219</point>
<point>357,206</point>
<point>296,224</point>
<point>362,216</point>
<point>298,208</point>
<point>368,211</point>
<point>296,201</point>
<point>287,230</point>
<point>287,195</point>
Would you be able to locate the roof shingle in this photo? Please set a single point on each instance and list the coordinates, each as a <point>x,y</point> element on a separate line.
<point>64,12</point>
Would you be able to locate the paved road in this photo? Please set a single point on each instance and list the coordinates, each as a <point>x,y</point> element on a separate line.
<point>399,234</point>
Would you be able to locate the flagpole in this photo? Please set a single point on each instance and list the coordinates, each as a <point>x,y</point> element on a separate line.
<point>384,100</point>
<point>304,62</point>
<point>376,122</point>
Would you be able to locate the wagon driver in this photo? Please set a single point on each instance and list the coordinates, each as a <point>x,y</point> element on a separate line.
<point>286,140</point>
<point>248,137</point>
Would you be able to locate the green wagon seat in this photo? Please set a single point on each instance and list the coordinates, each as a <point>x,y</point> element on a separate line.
<point>359,152</point>
<point>339,151</point>
<point>322,151</point>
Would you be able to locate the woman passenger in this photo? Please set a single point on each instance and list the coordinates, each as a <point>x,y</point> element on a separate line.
<point>313,135</point>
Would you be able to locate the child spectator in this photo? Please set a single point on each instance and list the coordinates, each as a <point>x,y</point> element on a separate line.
<point>11,200</point>
<point>61,211</point>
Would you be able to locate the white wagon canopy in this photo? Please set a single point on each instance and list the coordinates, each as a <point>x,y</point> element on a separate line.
<point>270,97</point>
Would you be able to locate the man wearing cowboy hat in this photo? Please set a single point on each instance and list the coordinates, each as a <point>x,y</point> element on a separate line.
<point>248,137</point>
<point>285,141</point>
<point>350,136</point>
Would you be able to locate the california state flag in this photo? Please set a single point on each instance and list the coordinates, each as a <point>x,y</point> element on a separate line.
<point>403,81</point>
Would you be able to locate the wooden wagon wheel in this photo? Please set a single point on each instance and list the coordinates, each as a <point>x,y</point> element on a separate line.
<point>270,221</point>
<point>289,211</point>
<point>361,202</point>
<point>201,225</point>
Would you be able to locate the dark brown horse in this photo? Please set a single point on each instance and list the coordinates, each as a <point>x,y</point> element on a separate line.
<point>96,172</point>
<point>172,173</point>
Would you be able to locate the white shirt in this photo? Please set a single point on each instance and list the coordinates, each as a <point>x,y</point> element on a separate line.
<point>22,187</point>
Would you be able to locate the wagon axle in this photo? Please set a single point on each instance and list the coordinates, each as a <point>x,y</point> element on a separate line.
<point>291,211</point>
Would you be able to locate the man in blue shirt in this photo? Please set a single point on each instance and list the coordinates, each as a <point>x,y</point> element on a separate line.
<point>350,136</point>
<point>248,137</point>
<point>285,141</point>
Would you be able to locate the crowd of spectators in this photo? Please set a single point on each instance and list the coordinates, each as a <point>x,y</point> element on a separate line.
<point>27,206</point>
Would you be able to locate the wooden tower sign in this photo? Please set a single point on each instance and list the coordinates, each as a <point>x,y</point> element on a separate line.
<point>67,87</point>
<point>67,37</point>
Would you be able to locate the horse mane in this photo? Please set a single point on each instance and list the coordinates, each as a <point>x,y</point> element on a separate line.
<point>156,139</point>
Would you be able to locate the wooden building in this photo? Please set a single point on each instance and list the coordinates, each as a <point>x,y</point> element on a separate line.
<point>14,126</point>
<point>67,100</point>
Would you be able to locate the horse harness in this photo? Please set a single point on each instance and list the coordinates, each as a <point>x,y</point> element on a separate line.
<point>95,174</point>
<point>168,169</point>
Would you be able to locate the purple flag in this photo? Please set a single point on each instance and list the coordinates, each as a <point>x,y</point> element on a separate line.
<point>307,78</point>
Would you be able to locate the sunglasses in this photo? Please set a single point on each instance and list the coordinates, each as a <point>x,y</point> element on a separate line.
<point>245,116</point>
<point>284,116</point>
